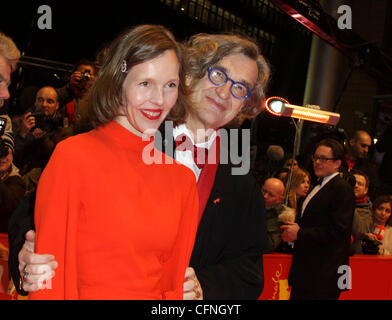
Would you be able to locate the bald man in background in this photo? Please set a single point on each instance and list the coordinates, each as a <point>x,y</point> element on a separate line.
<point>356,158</point>
<point>273,191</point>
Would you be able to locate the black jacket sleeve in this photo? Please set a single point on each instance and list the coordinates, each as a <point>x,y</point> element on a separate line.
<point>238,269</point>
<point>12,191</point>
<point>21,221</point>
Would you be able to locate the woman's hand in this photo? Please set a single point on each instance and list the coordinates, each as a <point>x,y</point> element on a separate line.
<point>192,287</point>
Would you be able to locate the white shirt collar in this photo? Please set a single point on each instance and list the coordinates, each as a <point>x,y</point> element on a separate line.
<point>186,157</point>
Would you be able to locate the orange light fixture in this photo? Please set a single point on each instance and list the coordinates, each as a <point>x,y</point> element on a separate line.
<point>281,107</point>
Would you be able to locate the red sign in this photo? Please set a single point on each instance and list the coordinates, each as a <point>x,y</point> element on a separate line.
<point>371,277</point>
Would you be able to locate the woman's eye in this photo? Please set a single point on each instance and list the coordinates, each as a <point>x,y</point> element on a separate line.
<point>144,83</point>
<point>172,85</point>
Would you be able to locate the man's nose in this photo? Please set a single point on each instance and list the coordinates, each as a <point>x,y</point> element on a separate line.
<point>45,104</point>
<point>4,93</point>
<point>224,91</point>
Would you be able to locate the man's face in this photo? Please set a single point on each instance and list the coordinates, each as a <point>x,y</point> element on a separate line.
<point>46,101</point>
<point>360,188</point>
<point>273,192</point>
<point>5,79</point>
<point>214,106</point>
<point>360,146</point>
<point>289,162</point>
<point>6,162</point>
<point>324,163</point>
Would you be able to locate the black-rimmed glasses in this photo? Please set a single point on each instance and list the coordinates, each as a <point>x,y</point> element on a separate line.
<point>321,159</point>
<point>219,78</point>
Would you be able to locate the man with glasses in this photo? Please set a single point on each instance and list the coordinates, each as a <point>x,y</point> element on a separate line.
<point>323,229</point>
<point>227,79</point>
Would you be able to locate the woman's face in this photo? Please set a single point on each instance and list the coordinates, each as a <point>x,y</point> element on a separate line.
<point>214,106</point>
<point>303,188</point>
<point>150,91</point>
<point>383,212</point>
<point>6,162</point>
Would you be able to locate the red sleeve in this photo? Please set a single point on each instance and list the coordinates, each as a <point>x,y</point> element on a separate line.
<point>56,213</point>
<point>175,266</point>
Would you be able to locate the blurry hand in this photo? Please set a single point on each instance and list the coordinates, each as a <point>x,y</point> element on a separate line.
<point>39,267</point>
<point>28,122</point>
<point>371,236</point>
<point>290,231</point>
<point>75,79</point>
<point>192,288</point>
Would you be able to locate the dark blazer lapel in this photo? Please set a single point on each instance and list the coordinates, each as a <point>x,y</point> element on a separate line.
<point>315,201</point>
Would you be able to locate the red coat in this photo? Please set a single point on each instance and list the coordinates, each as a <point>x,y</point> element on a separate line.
<point>119,228</point>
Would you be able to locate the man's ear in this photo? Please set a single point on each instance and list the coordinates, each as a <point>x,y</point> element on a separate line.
<point>340,163</point>
<point>351,142</point>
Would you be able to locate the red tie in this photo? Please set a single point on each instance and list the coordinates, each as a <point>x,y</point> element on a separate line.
<point>200,155</point>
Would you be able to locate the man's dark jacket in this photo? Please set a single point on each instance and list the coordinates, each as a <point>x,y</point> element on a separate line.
<point>323,242</point>
<point>231,238</point>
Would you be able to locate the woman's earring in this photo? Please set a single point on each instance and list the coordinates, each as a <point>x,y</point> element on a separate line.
<point>124,66</point>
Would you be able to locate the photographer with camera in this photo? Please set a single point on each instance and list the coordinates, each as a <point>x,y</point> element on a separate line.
<point>38,131</point>
<point>75,95</point>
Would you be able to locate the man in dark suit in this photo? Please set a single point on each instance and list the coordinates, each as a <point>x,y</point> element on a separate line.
<point>323,229</point>
<point>227,78</point>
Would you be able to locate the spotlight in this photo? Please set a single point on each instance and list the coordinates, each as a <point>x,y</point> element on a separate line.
<point>281,107</point>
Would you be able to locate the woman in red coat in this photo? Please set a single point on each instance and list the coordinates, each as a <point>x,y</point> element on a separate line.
<point>121,228</point>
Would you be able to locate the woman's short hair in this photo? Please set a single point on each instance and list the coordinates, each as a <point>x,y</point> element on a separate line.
<point>206,50</point>
<point>137,45</point>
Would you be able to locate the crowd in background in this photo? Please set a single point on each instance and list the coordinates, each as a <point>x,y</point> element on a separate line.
<point>372,223</point>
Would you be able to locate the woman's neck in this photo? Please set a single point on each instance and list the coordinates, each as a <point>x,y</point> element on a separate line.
<point>123,121</point>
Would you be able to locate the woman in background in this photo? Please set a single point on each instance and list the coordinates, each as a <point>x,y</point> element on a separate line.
<point>381,228</point>
<point>299,188</point>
